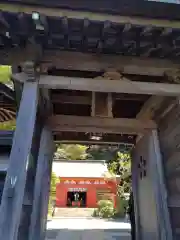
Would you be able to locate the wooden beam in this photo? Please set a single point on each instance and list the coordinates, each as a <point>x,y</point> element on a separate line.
<point>99,124</point>
<point>91,142</point>
<point>166,107</point>
<point>17,56</point>
<point>42,186</point>
<point>90,62</point>
<point>88,138</point>
<point>149,108</point>
<point>100,62</point>
<point>58,12</point>
<point>14,188</point>
<point>103,85</point>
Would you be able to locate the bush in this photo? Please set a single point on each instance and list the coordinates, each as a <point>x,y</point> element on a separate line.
<point>52,194</point>
<point>95,213</point>
<point>105,209</point>
<point>121,207</point>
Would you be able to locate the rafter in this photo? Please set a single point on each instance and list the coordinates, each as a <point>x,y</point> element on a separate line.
<point>58,12</point>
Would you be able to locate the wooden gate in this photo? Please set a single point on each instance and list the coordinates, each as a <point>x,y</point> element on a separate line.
<point>149,191</point>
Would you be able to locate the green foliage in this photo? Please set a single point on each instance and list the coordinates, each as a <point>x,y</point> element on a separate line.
<point>5,73</point>
<point>105,209</point>
<point>52,195</point>
<point>54,181</point>
<point>102,152</point>
<point>122,166</point>
<point>10,125</point>
<point>71,151</point>
<point>121,206</point>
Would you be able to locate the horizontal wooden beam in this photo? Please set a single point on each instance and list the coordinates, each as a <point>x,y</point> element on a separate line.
<point>99,124</point>
<point>57,12</point>
<point>97,63</point>
<point>91,142</point>
<point>103,85</point>
<point>74,137</point>
<point>90,62</point>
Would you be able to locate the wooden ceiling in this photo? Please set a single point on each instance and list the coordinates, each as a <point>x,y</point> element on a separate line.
<point>83,46</point>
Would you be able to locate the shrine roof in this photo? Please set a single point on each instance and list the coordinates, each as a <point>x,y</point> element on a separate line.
<point>80,168</point>
<point>149,8</point>
<point>59,29</point>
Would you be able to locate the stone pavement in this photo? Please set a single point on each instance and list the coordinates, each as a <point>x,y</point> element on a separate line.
<point>87,229</point>
<point>74,212</point>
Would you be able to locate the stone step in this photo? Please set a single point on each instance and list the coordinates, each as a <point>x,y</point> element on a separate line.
<point>73,212</point>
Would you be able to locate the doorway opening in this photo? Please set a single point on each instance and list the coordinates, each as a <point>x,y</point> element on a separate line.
<point>76,198</point>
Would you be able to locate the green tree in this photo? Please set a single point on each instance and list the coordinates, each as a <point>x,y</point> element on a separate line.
<point>5,74</point>
<point>71,151</point>
<point>9,125</point>
<point>122,166</point>
<point>52,194</point>
<point>99,152</point>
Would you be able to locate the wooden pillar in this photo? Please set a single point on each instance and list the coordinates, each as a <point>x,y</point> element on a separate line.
<point>150,198</point>
<point>42,187</point>
<point>134,179</point>
<point>14,189</point>
<point>160,189</point>
<point>30,181</point>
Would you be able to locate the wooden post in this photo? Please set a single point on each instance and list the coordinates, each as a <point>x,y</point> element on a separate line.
<point>160,189</point>
<point>134,171</point>
<point>30,182</point>
<point>42,186</point>
<point>13,194</point>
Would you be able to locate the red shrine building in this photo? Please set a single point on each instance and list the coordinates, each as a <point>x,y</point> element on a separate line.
<point>83,183</point>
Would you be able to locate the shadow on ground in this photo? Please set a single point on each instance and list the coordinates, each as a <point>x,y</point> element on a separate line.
<point>88,234</point>
<point>87,229</point>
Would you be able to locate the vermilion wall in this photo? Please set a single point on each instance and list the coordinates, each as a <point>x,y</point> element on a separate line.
<point>62,189</point>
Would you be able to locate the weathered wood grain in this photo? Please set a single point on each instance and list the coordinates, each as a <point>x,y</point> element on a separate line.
<point>169,132</point>
<point>99,124</point>
<point>104,85</point>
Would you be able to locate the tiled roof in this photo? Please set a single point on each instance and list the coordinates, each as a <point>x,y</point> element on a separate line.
<point>80,168</point>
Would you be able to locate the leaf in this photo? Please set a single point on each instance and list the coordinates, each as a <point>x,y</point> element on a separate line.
<point>71,151</point>
<point>5,74</point>
<point>10,125</point>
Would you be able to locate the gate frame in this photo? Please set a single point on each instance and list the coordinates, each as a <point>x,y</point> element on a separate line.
<point>32,85</point>
<point>159,188</point>
<point>8,202</point>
